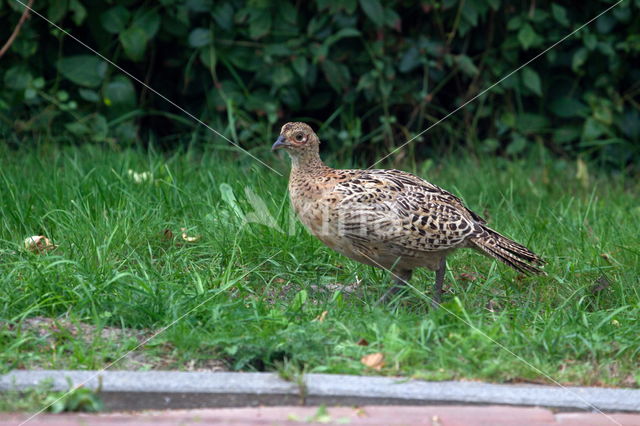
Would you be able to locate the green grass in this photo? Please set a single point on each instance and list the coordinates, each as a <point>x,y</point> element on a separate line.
<point>249,292</point>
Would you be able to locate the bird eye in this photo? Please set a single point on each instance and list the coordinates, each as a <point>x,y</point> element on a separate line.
<point>299,137</point>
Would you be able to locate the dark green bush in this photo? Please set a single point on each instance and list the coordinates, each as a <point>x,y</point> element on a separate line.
<point>372,74</point>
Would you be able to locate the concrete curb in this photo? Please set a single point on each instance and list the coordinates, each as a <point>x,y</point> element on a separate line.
<point>143,390</point>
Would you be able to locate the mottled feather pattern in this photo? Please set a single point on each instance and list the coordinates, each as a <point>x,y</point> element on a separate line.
<point>387,218</point>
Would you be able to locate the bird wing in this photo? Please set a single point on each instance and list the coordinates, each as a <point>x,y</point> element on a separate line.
<point>403,212</point>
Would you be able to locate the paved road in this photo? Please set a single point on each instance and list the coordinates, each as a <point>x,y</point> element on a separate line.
<point>448,415</point>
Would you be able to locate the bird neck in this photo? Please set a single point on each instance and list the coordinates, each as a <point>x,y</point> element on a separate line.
<point>307,163</point>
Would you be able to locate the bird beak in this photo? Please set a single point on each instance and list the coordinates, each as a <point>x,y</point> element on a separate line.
<point>281,142</point>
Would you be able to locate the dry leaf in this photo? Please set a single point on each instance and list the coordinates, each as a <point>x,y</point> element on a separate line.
<point>188,238</point>
<point>362,342</point>
<point>139,177</point>
<point>322,316</point>
<point>39,244</point>
<point>467,277</point>
<point>601,284</point>
<point>360,412</point>
<point>582,173</point>
<point>493,306</point>
<point>375,361</point>
<point>167,234</point>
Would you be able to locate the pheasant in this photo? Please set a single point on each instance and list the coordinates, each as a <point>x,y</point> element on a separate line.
<point>388,218</point>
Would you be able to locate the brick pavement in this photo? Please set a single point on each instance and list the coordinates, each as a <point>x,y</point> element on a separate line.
<point>447,415</point>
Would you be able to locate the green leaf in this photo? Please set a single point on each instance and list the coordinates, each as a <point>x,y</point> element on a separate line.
<point>590,40</point>
<point>148,22</point>
<point>373,9</point>
<point>89,95</point>
<point>629,124</point>
<point>527,36</point>
<point>289,13</point>
<point>514,23</point>
<point>559,14</point>
<point>259,23</point>
<point>200,37</point>
<point>115,20</point>
<point>392,19</point>
<point>99,127</point>
<point>277,49</point>
<point>57,10</point>
<point>17,77</point>
<point>517,145</point>
<point>489,145</point>
<point>494,4</point>
<point>336,74</point>
<point>299,300</point>
<point>528,123</point>
<point>606,23</point>
<point>281,76</point>
<point>592,129</point>
<point>567,107</point>
<point>120,92</point>
<point>579,58</point>
<point>199,5</point>
<point>83,70</point>
<point>126,132</point>
<point>38,83</point>
<point>300,65</point>
<point>229,197</point>
<point>343,33</point>
<point>531,80</point>
<point>566,134</point>
<point>79,12</point>
<point>466,65</point>
<point>208,57</point>
<point>223,15</point>
<point>410,60</point>
<point>134,42</point>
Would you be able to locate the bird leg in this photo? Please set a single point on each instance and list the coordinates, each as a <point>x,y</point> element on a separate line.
<point>400,279</point>
<point>437,295</point>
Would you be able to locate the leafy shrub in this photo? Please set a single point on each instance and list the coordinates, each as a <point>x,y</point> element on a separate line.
<point>371,74</point>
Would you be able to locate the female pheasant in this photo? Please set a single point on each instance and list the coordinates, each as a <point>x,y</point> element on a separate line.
<point>388,218</point>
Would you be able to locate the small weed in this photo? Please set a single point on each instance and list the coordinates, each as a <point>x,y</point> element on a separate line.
<point>41,396</point>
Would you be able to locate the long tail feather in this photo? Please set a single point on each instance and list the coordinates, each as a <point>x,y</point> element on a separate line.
<point>508,252</point>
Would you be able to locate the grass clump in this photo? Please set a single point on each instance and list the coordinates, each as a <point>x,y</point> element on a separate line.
<point>248,288</point>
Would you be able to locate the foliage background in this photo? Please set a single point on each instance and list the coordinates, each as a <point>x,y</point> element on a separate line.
<point>369,74</point>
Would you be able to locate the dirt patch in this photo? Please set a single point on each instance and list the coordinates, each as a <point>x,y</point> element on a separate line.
<point>53,333</point>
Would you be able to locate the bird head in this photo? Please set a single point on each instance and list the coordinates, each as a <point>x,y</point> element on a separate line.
<point>297,139</point>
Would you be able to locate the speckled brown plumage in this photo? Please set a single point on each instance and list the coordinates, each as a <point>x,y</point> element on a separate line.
<point>388,218</point>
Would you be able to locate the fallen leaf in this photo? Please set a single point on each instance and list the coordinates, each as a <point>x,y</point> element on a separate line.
<point>188,238</point>
<point>601,283</point>
<point>39,244</point>
<point>322,316</point>
<point>375,361</point>
<point>467,277</point>
<point>167,234</point>
<point>493,306</point>
<point>362,342</point>
<point>139,177</point>
<point>582,173</point>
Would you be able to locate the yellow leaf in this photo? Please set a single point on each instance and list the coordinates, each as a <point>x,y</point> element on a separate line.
<point>39,244</point>
<point>582,173</point>
<point>188,238</point>
<point>375,361</point>
<point>321,317</point>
